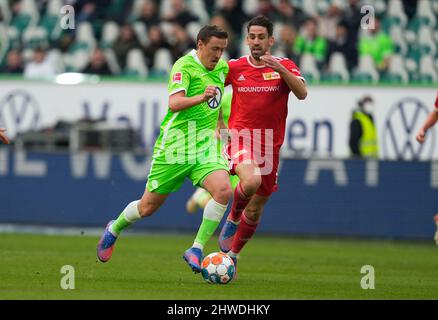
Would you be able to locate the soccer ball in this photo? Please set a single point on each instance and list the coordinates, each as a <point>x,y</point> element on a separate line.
<point>218,268</point>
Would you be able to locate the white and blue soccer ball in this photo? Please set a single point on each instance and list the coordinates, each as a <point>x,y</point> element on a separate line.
<point>218,268</point>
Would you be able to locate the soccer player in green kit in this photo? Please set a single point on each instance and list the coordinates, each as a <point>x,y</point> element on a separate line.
<point>201,197</point>
<point>186,146</point>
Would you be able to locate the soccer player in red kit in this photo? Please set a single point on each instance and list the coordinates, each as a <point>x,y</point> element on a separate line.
<point>431,119</point>
<point>261,86</point>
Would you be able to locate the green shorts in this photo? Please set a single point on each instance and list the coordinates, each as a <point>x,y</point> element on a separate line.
<point>234,180</point>
<point>165,177</point>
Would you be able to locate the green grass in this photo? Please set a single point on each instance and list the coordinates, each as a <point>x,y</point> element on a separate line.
<point>151,267</point>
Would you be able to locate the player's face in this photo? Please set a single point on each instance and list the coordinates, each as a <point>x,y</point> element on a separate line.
<point>259,41</point>
<point>209,53</point>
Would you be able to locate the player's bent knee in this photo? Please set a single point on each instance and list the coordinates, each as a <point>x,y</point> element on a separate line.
<point>222,194</point>
<point>251,184</point>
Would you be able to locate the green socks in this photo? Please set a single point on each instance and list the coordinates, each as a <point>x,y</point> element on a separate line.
<point>126,218</point>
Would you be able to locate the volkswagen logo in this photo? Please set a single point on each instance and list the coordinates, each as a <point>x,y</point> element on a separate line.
<point>402,123</point>
<point>19,112</point>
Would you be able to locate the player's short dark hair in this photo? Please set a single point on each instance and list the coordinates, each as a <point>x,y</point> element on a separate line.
<point>261,21</point>
<point>209,31</point>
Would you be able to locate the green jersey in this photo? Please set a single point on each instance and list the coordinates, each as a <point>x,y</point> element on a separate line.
<point>188,129</point>
<point>187,147</point>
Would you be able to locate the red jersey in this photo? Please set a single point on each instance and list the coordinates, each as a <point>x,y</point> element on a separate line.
<point>436,101</point>
<point>260,97</point>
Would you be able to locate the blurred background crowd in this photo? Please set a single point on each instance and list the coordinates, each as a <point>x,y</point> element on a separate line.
<point>142,38</point>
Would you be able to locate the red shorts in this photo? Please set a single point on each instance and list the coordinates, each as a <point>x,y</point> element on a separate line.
<point>239,153</point>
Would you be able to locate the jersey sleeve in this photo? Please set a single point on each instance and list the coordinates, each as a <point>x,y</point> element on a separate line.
<point>436,101</point>
<point>292,67</point>
<point>229,79</point>
<point>179,79</point>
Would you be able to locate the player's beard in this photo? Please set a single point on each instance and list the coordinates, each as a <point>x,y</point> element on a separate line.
<point>256,53</point>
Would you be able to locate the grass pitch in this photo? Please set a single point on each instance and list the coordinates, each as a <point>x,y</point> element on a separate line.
<point>151,267</point>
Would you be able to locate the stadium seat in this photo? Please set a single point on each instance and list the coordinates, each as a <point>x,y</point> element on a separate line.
<point>4,41</point>
<point>277,30</point>
<point>84,38</point>
<point>163,61</point>
<point>397,35</point>
<point>167,29</point>
<point>309,7</point>
<point>110,33</point>
<point>396,70</point>
<point>366,70</point>
<point>322,6</point>
<point>34,37</point>
<point>197,7</point>
<point>141,33</point>
<point>396,13</point>
<point>427,68</point>
<point>337,68</point>
<point>250,7</point>
<point>136,9</point>
<point>379,6</point>
<point>308,66</point>
<point>29,16</point>
<point>426,41</point>
<point>76,61</point>
<point>111,59</point>
<point>164,7</point>
<point>435,7</point>
<point>5,12</point>
<point>13,36</point>
<point>425,13</point>
<point>135,64</point>
<point>51,20</point>
<point>192,29</point>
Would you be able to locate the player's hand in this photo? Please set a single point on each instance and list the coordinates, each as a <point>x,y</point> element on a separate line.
<point>421,136</point>
<point>209,93</point>
<point>3,136</point>
<point>271,62</point>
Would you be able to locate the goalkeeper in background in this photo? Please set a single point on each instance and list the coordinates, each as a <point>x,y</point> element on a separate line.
<point>201,197</point>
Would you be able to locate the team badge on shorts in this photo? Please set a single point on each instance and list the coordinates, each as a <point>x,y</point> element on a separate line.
<point>215,102</point>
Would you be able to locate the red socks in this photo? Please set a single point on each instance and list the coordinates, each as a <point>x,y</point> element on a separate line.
<point>239,203</point>
<point>244,232</point>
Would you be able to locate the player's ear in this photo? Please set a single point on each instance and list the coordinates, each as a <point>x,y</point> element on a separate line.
<point>200,44</point>
<point>271,41</point>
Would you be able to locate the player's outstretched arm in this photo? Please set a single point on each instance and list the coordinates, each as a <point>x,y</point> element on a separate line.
<point>431,119</point>
<point>179,101</point>
<point>221,129</point>
<point>3,136</point>
<point>295,84</point>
